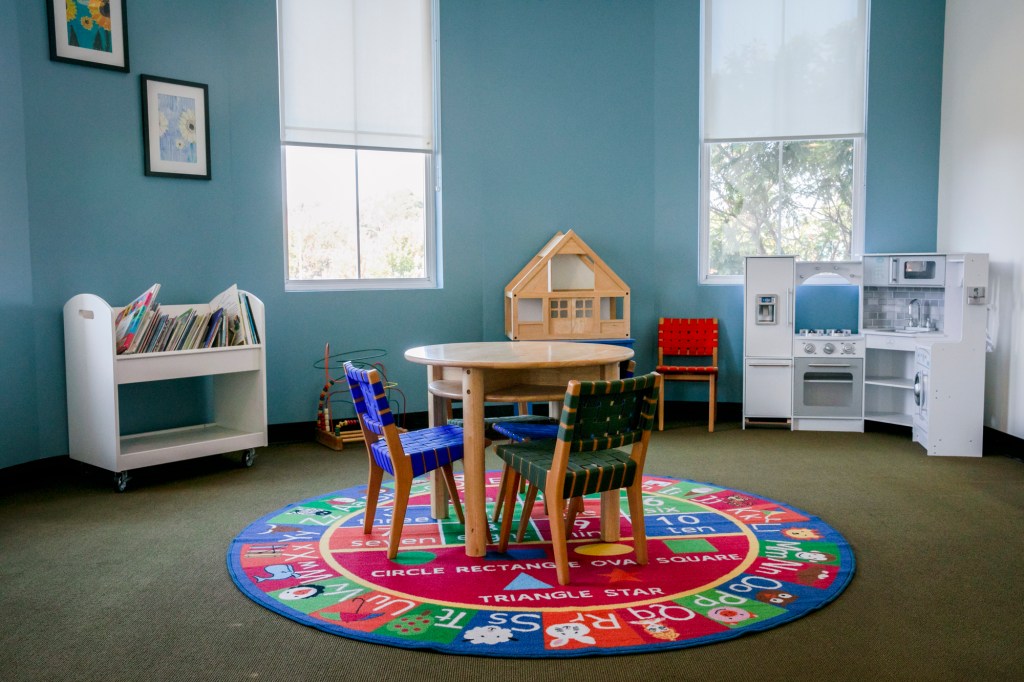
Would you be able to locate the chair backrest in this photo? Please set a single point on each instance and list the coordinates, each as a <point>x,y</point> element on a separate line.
<point>600,415</point>
<point>369,398</point>
<point>687,336</point>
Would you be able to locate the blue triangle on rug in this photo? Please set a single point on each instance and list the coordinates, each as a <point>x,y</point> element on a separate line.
<point>526,582</point>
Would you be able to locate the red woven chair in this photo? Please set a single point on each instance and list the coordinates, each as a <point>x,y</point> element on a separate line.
<point>688,338</point>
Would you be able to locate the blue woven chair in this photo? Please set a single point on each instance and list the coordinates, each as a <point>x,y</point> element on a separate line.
<point>598,418</point>
<point>403,455</point>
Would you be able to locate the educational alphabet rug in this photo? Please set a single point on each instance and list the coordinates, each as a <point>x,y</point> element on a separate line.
<point>722,563</point>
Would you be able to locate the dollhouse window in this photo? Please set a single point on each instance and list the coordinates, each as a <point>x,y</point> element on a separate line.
<point>559,309</point>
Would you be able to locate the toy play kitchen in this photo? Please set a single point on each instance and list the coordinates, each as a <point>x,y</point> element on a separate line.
<point>894,338</point>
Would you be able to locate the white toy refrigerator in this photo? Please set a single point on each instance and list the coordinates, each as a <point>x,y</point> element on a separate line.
<point>768,310</point>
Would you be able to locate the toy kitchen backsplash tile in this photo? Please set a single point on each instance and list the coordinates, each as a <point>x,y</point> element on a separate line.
<point>890,307</point>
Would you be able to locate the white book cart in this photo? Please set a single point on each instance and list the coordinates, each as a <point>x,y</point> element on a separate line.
<point>94,373</point>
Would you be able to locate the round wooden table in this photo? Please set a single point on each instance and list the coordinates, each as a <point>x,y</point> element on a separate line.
<point>505,371</point>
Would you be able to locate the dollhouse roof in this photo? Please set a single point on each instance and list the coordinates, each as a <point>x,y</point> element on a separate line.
<point>565,244</point>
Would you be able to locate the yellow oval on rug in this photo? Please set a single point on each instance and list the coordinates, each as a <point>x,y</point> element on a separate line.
<point>604,549</point>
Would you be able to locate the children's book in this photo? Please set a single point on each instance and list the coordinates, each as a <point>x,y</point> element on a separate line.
<point>236,332</point>
<point>252,333</point>
<point>127,322</point>
<point>230,301</point>
<point>178,330</point>
<point>158,331</point>
<point>212,330</point>
<point>196,333</point>
<point>145,330</point>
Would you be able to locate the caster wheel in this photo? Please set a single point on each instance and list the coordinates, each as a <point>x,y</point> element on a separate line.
<point>121,481</point>
<point>249,458</point>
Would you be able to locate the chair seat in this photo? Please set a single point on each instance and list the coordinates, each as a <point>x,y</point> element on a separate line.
<point>522,419</point>
<point>536,427</point>
<point>527,427</point>
<point>588,472</point>
<point>490,424</point>
<point>458,421</point>
<point>684,369</point>
<point>427,449</point>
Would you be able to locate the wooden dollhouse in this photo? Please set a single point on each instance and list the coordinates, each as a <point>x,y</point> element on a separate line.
<point>566,292</point>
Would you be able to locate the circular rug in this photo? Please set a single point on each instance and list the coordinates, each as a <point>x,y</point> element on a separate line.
<point>722,563</point>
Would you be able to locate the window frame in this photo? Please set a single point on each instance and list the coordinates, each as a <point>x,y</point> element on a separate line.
<point>432,260</point>
<point>858,203</point>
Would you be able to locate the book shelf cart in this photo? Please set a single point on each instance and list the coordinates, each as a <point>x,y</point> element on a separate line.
<point>94,373</point>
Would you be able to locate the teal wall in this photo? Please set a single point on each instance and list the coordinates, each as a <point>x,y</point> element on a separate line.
<point>676,159</point>
<point>19,406</point>
<point>556,114</point>
<point>547,112</point>
<point>904,113</point>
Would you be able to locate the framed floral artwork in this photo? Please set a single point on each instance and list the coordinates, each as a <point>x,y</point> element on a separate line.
<point>175,128</point>
<point>91,32</point>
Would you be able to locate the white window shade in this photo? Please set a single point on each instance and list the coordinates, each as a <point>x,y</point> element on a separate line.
<point>357,73</point>
<point>784,68</point>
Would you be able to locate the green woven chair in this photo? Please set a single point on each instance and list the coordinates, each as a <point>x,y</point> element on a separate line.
<point>530,427</point>
<point>598,418</point>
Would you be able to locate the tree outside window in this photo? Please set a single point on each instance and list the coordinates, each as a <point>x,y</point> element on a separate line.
<point>792,197</point>
<point>341,229</point>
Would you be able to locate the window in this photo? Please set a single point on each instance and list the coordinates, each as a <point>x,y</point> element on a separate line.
<point>559,308</point>
<point>358,143</point>
<point>783,91</point>
<point>584,308</point>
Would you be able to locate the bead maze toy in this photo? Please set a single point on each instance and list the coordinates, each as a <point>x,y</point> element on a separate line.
<point>335,432</point>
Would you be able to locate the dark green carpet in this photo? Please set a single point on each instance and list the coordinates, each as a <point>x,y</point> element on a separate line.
<point>96,585</point>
